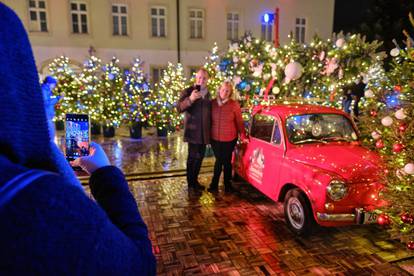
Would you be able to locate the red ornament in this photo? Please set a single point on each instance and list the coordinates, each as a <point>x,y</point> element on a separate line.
<point>373,113</point>
<point>397,88</point>
<point>397,147</point>
<point>379,144</point>
<point>402,127</point>
<point>407,218</point>
<point>410,245</point>
<point>383,220</point>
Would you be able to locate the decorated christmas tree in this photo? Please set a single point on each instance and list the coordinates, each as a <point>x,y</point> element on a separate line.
<point>90,79</point>
<point>388,127</point>
<point>318,70</point>
<point>213,69</point>
<point>136,109</point>
<point>110,94</point>
<point>67,88</point>
<point>166,94</point>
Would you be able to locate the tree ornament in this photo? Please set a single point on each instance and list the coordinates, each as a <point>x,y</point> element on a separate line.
<point>409,168</point>
<point>322,56</point>
<point>369,94</point>
<point>397,88</point>
<point>397,147</point>
<point>375,135</point>
<point>379,144</point>
<point>373,113</point>
<point>402,127</point>
<point>407,218</point>
<point>394,52</point>
<point>410,245</point>
<point>293,71</point>
<point>383,220</point>
<point>340,42</point>
<point>275,90</point>
<point>400,115</point>
<point>386,121</point>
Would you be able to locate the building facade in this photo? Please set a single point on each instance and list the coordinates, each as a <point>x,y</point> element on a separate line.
<point>159,31</point>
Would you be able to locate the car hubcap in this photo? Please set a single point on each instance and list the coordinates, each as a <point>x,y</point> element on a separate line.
<point>295,213</point>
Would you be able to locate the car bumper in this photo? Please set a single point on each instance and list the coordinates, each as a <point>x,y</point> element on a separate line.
<point>359,217</point>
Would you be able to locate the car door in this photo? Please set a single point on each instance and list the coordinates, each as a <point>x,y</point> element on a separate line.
<point>263,154</point>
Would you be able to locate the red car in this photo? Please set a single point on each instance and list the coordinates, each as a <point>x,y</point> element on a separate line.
<point>309,157</point>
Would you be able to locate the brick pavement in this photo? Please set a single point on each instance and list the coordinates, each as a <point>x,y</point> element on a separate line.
<point>244,234</point>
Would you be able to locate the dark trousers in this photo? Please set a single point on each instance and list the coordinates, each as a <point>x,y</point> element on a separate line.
<point>222,153</point>
<point>195,158</point>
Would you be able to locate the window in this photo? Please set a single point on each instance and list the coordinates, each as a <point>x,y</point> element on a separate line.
<point>233,26</point>
<point>276,138</point>
<point>262,127</point>
<point>158,22</point>
<point>267,31</point>
<point>156,74</point>
<point>79,14</point>
<point>37,14</point>
<point>196,23</point>
<point>119,19</point>
<point>300,30</point>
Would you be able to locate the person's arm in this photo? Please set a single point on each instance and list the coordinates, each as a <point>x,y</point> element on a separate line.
<point>187,98</point>
<point>239,122</point>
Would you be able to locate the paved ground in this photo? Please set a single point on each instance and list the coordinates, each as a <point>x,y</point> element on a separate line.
<point>242,233</point>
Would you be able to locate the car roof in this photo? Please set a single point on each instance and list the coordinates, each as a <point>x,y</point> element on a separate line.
<point>286,110</point>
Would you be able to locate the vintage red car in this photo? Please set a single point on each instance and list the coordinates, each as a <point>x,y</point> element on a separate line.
<point>309,158</point>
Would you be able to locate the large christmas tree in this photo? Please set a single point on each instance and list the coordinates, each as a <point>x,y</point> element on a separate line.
<point>166,95</point>
<point>135,97</point>
<point>320,69</point>
<point>388,127</point>
<point>67,88</point>
<point>212,65</point>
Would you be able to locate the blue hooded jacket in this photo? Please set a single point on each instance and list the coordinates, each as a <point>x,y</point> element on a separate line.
<point>51,227</point>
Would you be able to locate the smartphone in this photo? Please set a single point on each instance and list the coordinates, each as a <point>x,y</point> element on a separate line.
<point>77,136</point>
<point>198,87</point>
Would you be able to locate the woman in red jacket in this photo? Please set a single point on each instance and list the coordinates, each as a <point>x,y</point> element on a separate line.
<point>226,125</point>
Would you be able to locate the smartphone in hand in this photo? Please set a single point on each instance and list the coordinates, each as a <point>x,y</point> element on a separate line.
<point>77,136</point>
<point>198,87</point>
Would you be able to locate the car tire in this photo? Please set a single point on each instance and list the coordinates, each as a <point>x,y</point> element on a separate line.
<point>298,213</point>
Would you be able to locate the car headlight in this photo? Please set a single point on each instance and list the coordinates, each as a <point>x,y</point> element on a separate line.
<point>337,189</point>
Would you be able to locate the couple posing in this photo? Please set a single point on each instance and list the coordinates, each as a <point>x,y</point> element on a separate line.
<point>217,122</point>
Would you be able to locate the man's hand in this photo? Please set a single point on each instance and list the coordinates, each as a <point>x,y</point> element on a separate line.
<point>195,95</point>
<point>96,159</point>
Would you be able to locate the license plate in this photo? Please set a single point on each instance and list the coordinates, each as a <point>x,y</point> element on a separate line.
<point>370,217</point>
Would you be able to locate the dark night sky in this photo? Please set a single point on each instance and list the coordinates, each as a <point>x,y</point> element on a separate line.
<point>349,14</point>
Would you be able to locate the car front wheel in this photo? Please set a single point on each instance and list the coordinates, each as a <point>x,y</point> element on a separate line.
<point>298,213</point>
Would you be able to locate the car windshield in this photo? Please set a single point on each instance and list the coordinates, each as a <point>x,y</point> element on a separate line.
<point>319,128</point>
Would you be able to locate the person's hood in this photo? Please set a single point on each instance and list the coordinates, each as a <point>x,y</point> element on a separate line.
<point>24,135</point>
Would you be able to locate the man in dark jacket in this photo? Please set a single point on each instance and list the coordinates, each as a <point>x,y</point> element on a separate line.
<point>195,103</point>
<point>48,225</point>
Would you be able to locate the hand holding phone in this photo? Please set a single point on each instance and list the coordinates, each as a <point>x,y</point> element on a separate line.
<point>195,95</point>
<point>97,159</point>
<point>198,87</point>
<point>77,136</point>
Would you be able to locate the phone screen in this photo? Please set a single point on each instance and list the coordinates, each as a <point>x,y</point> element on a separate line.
<point>77,136</point>
<point>198,87</point>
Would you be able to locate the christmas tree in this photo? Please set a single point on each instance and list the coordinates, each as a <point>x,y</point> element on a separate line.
<point>136,96</point>
<point>90,78</point>
<point>110,94</point>
<point>388,127</point>
<point>67,88</point>
<point>213,69</point>
<point>166,95</point>
<point>318,70</point>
